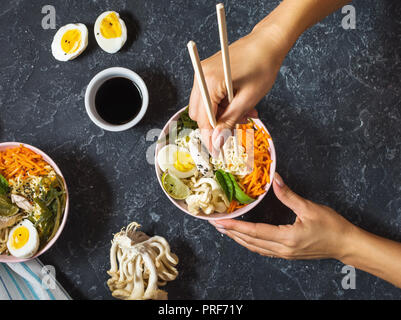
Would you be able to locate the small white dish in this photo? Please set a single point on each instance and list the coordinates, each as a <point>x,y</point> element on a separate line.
<point>93,87</point>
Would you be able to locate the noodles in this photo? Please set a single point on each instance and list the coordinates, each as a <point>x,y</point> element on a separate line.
<point>3,239</point>
<point>4,236</point>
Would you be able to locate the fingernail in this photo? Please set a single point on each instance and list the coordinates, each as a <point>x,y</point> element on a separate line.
<point>278,180</point>
<point>223,231</point>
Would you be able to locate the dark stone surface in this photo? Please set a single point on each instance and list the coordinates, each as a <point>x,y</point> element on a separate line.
<point>334,114</point>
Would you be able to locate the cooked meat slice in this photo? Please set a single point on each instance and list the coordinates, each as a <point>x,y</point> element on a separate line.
<point>8,221</point>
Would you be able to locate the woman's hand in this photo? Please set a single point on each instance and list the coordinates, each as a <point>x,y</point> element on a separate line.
<point>255,61</point>
<point>318,232</point>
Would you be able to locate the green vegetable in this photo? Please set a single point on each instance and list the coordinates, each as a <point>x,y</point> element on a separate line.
<point>174,186</point>
<point>52,205</point>
<point>240,195</point>
<point>45,221</point>
<point>7,208</point>
<point>4,186</point>
<point>184,121</point>
<point>226,184</point>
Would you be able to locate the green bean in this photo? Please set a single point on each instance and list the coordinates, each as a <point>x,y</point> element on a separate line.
<point>240,195</point>
<point>225,183</point>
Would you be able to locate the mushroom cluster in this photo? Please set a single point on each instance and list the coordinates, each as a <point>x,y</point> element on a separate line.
<point>139,265</point>
<point>207,196</point>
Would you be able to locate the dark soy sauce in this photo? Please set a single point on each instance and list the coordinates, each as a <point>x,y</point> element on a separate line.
<point>118,100</point>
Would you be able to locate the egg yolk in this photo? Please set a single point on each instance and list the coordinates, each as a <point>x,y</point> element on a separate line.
<point>183,162</point>
<point>20,237</point>
<point>71,41</point>
<point>110,26</point>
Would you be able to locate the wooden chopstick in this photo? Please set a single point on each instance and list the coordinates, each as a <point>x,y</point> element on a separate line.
<point>221,19</point>
<point>193,52</point>
<point>222,24</point>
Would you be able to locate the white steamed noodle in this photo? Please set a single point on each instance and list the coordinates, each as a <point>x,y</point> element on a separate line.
<point>206,194</point>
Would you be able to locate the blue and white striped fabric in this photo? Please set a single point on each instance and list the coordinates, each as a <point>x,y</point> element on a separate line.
<point>26,281</point>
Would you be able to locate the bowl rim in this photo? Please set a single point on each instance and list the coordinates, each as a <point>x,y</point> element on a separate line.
<point>10,258</point>
<point>215,216</point>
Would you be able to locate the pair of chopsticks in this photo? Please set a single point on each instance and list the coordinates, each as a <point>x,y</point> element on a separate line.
<point>193,52</point>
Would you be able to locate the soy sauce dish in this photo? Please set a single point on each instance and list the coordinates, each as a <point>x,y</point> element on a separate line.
<point>34,202</point>
<point>214,188</point>
<point>116,99</point>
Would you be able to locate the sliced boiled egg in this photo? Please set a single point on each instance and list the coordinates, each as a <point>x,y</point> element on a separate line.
<point>177,161</point>
<point>110,31</point>
<point>23,240</point>
<point>70,41</point>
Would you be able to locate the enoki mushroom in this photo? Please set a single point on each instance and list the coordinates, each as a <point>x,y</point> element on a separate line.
<point>139,265</point>
<point>3,239</point>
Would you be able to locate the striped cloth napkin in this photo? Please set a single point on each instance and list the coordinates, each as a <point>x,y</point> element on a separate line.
<point>29,280</point>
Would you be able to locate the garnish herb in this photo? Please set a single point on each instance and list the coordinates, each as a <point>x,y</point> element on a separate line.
<point>7,208</point>
<point>4,186</point>
<point>52,205</point>
<point>184,122</point>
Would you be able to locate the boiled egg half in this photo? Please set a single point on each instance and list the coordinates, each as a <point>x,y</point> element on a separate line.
<point>70,41</point>
<point>110,31</point>
<point>177,161</point>
<point>23,240</point>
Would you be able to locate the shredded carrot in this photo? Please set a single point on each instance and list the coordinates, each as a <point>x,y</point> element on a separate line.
<point>22,162</point>
<point>254,183</point>
<point>234,205</point>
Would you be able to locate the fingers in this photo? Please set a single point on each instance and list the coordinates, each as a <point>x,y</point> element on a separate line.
<point>253,114</point>
<point>255,230</point>
<point>197,112</point>
<point>265,244</point>
<point>251,247</point>
<point>194,101</point>
<point>206,133</point>
<point>236,112</point>
<point>288,197</point>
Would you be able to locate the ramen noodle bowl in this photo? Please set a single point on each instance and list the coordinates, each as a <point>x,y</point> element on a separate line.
<point>9,258</point>
<point>206,193</point>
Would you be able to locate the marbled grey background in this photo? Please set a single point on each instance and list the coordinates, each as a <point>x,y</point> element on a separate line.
<point>334,114</point>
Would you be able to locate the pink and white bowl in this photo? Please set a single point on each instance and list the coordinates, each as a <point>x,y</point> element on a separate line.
<point>215,216</point>
<point>9,258</point>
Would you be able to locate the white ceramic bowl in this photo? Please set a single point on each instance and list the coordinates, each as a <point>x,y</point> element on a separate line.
<point>98,80</point>
<point>8,145</point>
<point>215,216</point>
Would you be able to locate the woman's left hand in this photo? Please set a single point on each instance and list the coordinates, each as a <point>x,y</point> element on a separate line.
<point>318,232</point>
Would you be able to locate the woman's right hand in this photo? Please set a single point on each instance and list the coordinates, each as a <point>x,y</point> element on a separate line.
<point>255,61</point>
